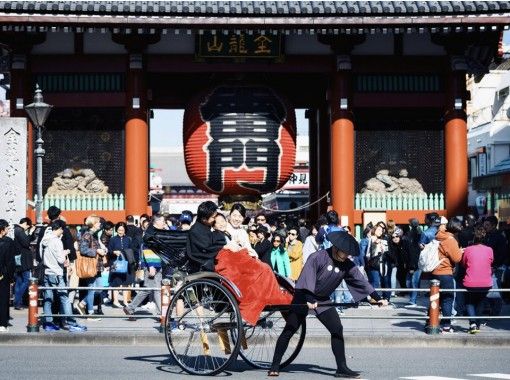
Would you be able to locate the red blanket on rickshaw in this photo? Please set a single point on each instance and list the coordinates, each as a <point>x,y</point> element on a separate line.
<point>256,281</point>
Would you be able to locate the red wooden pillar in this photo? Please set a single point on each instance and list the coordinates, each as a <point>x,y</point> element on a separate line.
<point>137,139</point>
<point>342,143</point>
<point>455,136</point>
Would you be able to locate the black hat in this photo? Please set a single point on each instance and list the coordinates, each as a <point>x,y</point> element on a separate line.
<point>344,242</point>
<point>53,212</point>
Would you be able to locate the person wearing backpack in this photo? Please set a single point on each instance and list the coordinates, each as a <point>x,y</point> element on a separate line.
<point>450,254</point>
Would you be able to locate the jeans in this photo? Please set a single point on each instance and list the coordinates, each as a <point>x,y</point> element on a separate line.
<point>378,281</point>
<point>342,294</point>
<point>474,303</point>
<point>393,278</point>
<point>65,306</point>
<point>413,282</point>
<point>446,281</point>
<point>20,287</point>
<point>142,294</point>
<point>89,298</point>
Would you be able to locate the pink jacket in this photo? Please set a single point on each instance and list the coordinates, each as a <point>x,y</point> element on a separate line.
<point>478,260</point>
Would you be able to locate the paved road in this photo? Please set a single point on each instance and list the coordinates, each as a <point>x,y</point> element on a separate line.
<point>152,362</point>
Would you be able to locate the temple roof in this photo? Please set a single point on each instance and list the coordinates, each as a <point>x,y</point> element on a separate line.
<point>265,13</point>
<point>266,8</point>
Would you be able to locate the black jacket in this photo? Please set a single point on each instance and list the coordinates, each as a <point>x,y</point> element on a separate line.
<point>412,241</point>
<point>22,243</point>
<point>135,233</point>
<point>203,245</point>
<point>7,263</point>
<point>263,250</point>
<point>497,241</point>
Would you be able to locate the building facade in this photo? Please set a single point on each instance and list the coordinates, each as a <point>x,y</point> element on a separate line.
<point>384,83</point>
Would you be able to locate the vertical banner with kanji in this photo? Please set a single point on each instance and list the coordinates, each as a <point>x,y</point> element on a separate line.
<point>13,168</point>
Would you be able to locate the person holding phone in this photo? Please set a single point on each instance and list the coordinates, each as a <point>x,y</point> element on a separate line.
<point>55,259</point>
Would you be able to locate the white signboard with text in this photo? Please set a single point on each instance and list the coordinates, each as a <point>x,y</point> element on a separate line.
<point>13,169</point>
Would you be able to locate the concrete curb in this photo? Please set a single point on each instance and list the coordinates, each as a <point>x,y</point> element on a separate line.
<point>152,339</point>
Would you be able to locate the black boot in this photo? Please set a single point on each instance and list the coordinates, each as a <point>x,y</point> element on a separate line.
<point>345,372</point>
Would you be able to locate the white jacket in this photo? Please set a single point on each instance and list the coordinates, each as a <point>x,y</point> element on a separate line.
<point>54,255</point>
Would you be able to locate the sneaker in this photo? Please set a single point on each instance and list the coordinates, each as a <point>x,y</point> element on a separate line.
<point>77,328</point>
<point>473,329</point>
<point>4,329</point>
<point>148,306</point>
<point>107,301</point>
<point>127,311</point>
<point>50,326</point>
<point>447,330</point>
<point>99,312</point>
<point>80,308</point>
<point>410,304</point>
<point>19,307</point>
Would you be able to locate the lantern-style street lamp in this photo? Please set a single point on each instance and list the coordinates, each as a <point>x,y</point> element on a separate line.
<point>38,112</point>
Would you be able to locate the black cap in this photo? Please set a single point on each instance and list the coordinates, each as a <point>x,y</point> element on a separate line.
<point>53,212</point>
<point>344,242</point>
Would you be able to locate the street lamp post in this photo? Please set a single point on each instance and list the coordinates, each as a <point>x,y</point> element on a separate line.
<point>38,112</point>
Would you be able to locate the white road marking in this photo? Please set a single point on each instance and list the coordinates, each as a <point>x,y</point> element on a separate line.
<point>430,378</point>
<point>491,375</point>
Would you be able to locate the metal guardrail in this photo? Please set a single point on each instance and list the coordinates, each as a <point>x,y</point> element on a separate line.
<point>433,316</point>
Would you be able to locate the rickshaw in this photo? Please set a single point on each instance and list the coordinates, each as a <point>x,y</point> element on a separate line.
<point>204,331</point>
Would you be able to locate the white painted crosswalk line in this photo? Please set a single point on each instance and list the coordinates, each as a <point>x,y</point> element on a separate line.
<point>491,375</point>
<point>430,378</point>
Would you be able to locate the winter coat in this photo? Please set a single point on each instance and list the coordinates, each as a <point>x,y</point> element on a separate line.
<point>52,251</point>
<point>7,263</point>
<point>280,262</point>
<point>295,252</point>
<point>450,251</point>
<point>22,242</point>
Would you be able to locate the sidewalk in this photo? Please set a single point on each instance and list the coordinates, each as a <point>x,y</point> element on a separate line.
<point>368,331</point>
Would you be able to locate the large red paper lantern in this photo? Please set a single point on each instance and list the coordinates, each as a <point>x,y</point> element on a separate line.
<point>239,140</point>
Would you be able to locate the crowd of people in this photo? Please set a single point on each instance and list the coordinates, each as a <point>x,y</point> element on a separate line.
<point>474,255</point>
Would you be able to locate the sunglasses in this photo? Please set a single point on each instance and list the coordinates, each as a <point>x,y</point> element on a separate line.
<point>292,233</point>
<point>261,220</point>
<point>277,241</point>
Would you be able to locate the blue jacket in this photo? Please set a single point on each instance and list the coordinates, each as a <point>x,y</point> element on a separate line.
<point>428,235</point>
<point>321,238</point>
<point>280,261</point>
